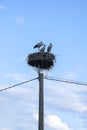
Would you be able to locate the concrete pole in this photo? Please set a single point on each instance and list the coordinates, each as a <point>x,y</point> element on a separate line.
<point>41,103</point>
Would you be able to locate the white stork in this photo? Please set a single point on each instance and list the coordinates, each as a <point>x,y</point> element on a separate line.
<point>38,45</point>
<point>43,49</point>
<point>49,48</point>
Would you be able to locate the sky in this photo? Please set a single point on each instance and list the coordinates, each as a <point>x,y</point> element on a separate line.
<point>24,23</point>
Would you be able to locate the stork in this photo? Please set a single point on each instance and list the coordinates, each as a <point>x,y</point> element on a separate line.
<point>38,45</point>
<point>43,48</point>
<point>49,48</point>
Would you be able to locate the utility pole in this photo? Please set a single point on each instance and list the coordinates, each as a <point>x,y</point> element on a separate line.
<point>41,103</point>
<point>41,60</point>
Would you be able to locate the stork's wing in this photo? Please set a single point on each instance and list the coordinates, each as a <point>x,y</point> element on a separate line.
<point>35,45</point>
<point>38,45</point>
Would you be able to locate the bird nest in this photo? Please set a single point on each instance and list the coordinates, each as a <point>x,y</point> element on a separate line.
<point>41,60</point>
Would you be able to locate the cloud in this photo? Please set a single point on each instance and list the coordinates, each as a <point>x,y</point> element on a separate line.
<point>67,97</point>
<point>24,125</point>
<point>58,96</point>
<point>55,122</point>
<point>70,75</point>
<point>35,116</point>
<point>5,129</point>
<point>20,19</point>
<point>15,76</point>
<point>3,99</point>
<point>2,7</point>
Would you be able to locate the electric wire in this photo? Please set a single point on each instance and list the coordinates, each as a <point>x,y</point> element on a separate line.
<point>3,89</point>
<point>66,81</point>
<point>48,78</point>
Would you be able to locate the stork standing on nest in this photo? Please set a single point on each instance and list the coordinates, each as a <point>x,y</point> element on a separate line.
<point>43,48</point>
<point>38,45</point>
<point>49,48</point>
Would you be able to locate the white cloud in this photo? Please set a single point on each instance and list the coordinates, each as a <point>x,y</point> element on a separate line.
<point>5,129</point>
<point>3,99</point>
<point>66,97</point>
<point>55,122</point>
<point>20,91</point>
<point>70,75</point>
<point>24,125</point>
<point>2,7</point>
<point>16,76</point>
<point>60,96</point>
<point>36,116</point>
<point>20,19</point>
<point>2,86</point>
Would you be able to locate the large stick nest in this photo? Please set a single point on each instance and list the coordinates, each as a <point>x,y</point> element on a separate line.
<point>41,60</point>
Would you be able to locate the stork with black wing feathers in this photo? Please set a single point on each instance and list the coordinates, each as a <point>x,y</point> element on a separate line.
<point>49,48</point>
<point>43,48</point>
<point>38,45</point>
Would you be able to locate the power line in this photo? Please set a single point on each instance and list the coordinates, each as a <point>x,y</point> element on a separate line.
<point>48,78</point>
<point>66,81</point>
<point>17,84</point>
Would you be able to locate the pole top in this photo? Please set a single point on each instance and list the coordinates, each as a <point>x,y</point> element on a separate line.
<point>41,60</point>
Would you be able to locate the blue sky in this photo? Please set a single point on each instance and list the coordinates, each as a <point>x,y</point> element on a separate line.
<point>23,23</point>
